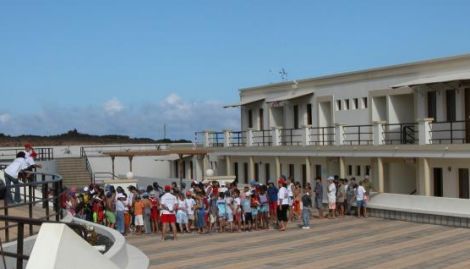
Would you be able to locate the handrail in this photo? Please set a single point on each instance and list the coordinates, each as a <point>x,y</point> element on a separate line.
<point>84,155</point>
<point>456,132</point>
<point>43,153</point>
<point>52,194</point>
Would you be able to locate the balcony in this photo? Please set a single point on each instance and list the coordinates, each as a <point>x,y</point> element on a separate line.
<point>423,132</point>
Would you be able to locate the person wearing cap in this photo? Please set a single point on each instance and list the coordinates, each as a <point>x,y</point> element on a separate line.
<point>168,206</point>
<point>12,175</point>
<point>283,204</point>
<point>331,197</point>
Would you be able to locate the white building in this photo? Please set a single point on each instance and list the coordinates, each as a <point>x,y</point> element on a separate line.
<point>407,125</point>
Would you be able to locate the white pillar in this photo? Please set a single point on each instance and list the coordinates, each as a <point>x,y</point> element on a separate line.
<point>425,136</point>
<point>276,136</point>
<point>342,167</point>
<point>249,138</point>
<point>308,174</point>
<point>339,134</point>
<point>306,136</point>
<point>206,143</point>
<point>277,162</point>
<point>377,133</point>
<point>227,138</point>
<point>424,176</point>
<point>251,168</point>
<point>228,166</point>
<point>380,175</point>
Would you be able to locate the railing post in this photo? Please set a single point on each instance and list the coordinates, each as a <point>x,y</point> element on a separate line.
<point>276,136</point>
<point>377,133</point>
<point>19,246</point>
<point>206,143</point>
<point>306,135</point>
<point>227,138</point>
<point>425,136</point>
<point>249,138</point>
<point>339,134</point>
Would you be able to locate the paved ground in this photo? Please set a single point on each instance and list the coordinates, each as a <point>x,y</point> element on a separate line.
<point>340,243</point>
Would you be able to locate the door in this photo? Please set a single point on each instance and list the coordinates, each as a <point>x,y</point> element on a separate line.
<point>296,117</point>
<point>304,175</point>
<point>463,184</point>
<point>267,172</point>
<point>235,171</point>
<point>438,187</point>
<point>467,115</point>
<point>261,119</point>
<point>256,172</point>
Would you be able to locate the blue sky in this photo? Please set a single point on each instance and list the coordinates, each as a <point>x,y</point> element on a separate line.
<point>129,66</point>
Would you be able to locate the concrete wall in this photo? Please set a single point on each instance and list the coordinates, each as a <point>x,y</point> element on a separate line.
<point>400,177</point>
<point>450,173</point>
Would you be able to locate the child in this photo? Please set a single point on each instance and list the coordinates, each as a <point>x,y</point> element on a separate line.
<point>138,214</point>
<point>201,214</point>
<point>154,212</point>
<point>264,207</point>
<point>247,217</point>
<point>120,213</point>
<point>212,211</point>
<point>181,214</point>
<point>221,211</point>
<point>306,205</point>
<point>190,203</point>
<point>254,210</point>
<point>229,208</point>
<point>237,208</point>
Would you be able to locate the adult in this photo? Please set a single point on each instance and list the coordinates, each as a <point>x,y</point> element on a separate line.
<point>272,198</point>
<point>168,204</point>
<point>319,197</point>
<point>350,195</point>
<point>283,204</point>
<point>331,197</point>
<point>12,173</point>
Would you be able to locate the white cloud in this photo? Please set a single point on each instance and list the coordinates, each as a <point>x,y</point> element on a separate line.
<point>113,106</point>
<point>182,118</point>
<point>5,118</point>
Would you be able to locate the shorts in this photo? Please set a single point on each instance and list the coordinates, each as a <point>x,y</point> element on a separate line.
<point>264,208</point>
<point>254,212</point>
<point>272,207</point>
<point>360,203</point>
<point>110,217</point>
<point>319,203</point>
<point>229,216</point>
<point>212,218</point>
<point>332,205</point>
<point>191,217</point>
<point>168,218</point>
<point>248,218</point>
<point>139,220</point>
<point>181,217</point>
<point>282,213</point>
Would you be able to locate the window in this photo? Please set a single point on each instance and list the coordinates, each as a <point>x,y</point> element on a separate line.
<point>317,171</point>
<point>296,117</point>
<point>309,114</point>
<point>346,104</point>
<point>250,118</point>
<point>339,105</point>
<point>256,171</point>
<point>245,172</point>
<point>358,170</point>
<point>367,170</point>
<point>267,172</point>
<point>438,187</point>
<point>235,171</point>
<point>432,102</point>
<point>291,171</point>
<point>350,170</point>
<point>261,119</point>
<point>463,183</point>
<point>355,103</point>
<point>450,105</point>
<point>364,102</point>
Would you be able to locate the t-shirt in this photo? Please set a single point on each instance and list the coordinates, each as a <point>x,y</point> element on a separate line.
<point>120,206</point>
<point>169,202</point>
<point>237,203</point>
<point>332,192</point>
<point>16,166</point>
<point>290,190</point>
<point>138,207</point>
<point>283,196</point>
<point>246,205</point>
<point>182,205</point>
<point>272,194</point>
<point>190,203</point>
<point>360,193</point>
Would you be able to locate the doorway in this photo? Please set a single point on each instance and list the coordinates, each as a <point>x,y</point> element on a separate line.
<point>438,186</point>
<point>463,184</point>
<point>467,115</point>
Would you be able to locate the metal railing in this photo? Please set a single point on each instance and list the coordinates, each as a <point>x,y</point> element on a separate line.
<point>322,136</point>
<point>400,133</point>
<point>103,175</point>
<point>290,137</point>
<point>238,139</point>
<point>450,132</point>
<point>84,155</point>
<point>357,134</point>
<point>43,153</point>
<point>262,138</point>
<point>216,139</point>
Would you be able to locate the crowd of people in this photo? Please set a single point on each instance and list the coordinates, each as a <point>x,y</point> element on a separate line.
<point>208,207</point>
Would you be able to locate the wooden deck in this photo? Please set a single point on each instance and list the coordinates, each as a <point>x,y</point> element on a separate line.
<point>340,243</point>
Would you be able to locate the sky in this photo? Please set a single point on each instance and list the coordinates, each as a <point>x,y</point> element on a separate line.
<point>129,67</point>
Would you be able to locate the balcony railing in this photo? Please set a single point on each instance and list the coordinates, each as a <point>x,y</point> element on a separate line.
<point>423,132</point>
<point>43,153</point>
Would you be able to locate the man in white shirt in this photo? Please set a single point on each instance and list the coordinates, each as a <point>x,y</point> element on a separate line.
<point>331,197</point>
<point>168,204</point>
<point>360,193</point>
<point>11,177</point>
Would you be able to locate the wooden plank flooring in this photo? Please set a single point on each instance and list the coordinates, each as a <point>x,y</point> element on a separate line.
<point>339,243</point>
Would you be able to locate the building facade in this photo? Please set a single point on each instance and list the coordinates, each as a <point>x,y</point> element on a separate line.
<point>407,126</point>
